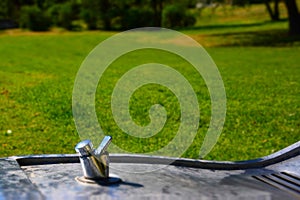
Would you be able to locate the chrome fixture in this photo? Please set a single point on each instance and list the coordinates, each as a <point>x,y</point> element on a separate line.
<point>94,162</point>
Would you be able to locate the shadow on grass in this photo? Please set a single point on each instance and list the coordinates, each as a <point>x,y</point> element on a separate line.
<point>253,34</point>
<point>258,38</point>
<point>236,25</point>
<point>226,26</point>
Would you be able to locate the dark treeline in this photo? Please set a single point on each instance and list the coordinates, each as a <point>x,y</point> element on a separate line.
<point>40,15</point>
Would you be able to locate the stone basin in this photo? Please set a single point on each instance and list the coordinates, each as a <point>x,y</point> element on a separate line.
<point>276,176</point>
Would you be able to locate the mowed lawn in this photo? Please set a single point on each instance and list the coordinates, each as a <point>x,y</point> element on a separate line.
<point>262,82</point>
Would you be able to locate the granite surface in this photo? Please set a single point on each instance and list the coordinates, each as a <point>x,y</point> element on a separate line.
<point>54,177</point>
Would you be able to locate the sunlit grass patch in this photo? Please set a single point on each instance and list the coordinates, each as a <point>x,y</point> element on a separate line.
<point>258,63</point>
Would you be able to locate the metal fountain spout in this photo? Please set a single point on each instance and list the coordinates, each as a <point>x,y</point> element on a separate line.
<point>94,162</point>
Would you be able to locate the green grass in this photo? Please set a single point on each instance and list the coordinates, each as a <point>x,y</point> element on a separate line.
<point>262,86</point>
<point>261,77</point>
<point>37,75</point>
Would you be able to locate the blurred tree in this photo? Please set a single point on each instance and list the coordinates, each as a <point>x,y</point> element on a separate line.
<point>10,9</point>
<point>46,4</point>
<point>108,10</point>
<point>64,14</point>
<point>293,14</point>
<point>99,12</point>
<point>135,17</point>
<point>126,14</point>
<point>4,9</point>
<point>107,14</point>
<point>33,18</point>
<point>177,15</point>
<point>157,6</point>
<point>274,13</point>
<point>294,17</point>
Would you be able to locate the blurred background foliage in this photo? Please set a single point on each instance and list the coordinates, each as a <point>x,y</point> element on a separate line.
<point>41,15</point>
